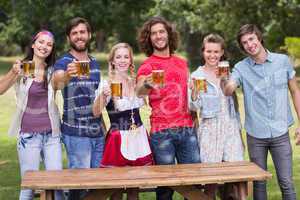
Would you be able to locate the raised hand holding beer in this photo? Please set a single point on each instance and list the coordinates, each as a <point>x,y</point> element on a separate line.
<point>72,69</point>
<point>198,86</point>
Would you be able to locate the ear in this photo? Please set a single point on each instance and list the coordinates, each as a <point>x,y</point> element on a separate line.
<point>33,46</point>
<point>90,35</point>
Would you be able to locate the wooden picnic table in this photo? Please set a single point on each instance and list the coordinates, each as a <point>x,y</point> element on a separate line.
<point>183,178</point>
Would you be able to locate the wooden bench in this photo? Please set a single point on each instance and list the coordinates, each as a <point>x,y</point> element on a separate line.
<point>183,178</point>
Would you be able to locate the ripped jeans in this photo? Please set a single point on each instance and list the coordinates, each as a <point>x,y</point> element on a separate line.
<point>33,147</point>
<point>180,143</point>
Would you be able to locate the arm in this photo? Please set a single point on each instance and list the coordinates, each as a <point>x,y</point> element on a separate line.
<point>61,78</point>
<point>295,92</point>
<point>228,86</point>
<point>10,78</point>
<point>99,105</point>
<point>101,100</point>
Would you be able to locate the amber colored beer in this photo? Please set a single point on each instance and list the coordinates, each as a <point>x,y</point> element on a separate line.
<point>83,69</point>
<point>28,68</point>
<point>158,77</point>
<point>223,69</point>
<point>200,85</point>
<point>116,89</point>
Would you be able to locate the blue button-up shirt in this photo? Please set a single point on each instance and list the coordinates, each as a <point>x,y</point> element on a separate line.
<point>266,100</point>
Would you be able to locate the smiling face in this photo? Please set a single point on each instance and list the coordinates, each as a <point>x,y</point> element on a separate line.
<point>251,44</point>
<point>43,45</point>
<point>79,37</point>
<point>159,37</point>
<point>212,53</point>
<point>122,59</point>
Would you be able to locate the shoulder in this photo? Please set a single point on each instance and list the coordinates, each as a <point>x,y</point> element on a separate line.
<point>179,59</point>
<point>278,56</point>
<point>198,72</point>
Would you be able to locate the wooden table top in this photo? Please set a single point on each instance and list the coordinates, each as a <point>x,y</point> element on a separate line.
<point>144,177</point>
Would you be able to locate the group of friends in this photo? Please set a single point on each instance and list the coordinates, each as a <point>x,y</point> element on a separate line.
<point>176,135</point>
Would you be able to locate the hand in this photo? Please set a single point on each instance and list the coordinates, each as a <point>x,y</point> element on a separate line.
<point>16,68</point>
<point>148,82</point>
<point>297,136</point>
<point>106,91</point>
<point>72,69</point>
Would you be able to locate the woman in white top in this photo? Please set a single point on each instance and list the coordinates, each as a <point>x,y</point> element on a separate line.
<point>127,139</point>
<point>36,121</point>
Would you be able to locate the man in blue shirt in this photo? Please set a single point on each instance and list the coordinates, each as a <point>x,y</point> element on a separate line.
<point>266,78</point>
<point>82,132</point>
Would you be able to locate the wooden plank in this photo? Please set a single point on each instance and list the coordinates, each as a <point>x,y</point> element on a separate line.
<point>47,195</point>
<point>144,177</point>
<point>191,192</point>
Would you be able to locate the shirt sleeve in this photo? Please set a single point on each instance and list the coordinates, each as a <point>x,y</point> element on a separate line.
<point>145,69</point>
<point>101,86</point>
<point>236,76</point>
<point>62,63</point>
<point>290,69</point>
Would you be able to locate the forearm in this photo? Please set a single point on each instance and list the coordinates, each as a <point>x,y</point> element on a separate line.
<point>142,89</point>
<point>60,79</point>
<point>7,81</point>
<point>228,87</point>
<point>99,105</point>
<point>296,101</point>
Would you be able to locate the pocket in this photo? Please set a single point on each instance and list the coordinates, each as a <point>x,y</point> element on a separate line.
<point>24,139</point>
<point>210,104</point>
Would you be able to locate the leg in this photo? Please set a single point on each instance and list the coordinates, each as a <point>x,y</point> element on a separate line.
<point>133,194</point>
<point>97,151</point>
<point>29,151</point>
<point>164,154</point>
<point>187,149</point>
<point>53,157</point>
<point>281,152</point>
<point>79,156</point>
<point>258,153</point>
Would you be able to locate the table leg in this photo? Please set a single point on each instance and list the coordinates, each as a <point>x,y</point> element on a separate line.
<point>191,192</point>
<point>47,195</point>
<point>102,194</point>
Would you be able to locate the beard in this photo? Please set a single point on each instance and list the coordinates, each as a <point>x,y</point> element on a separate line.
<point>160,48</point>
<point>80,49</point>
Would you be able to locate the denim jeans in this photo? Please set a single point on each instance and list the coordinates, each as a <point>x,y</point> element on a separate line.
<point>180,143</point>
<point>83,152</point>
<point>281,152</point>
<point>31,148</point>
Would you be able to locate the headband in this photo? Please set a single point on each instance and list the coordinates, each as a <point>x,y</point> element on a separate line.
<point>43,32</point>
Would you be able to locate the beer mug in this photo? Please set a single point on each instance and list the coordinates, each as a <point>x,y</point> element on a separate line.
<point>83,69</point>
<point>116,89</point>
<point>158,77</point>
<point>28,68</point>
<point>223,69</point>
<point>200,85</point>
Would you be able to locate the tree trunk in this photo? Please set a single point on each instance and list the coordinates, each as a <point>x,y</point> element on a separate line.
<point>100,40</point>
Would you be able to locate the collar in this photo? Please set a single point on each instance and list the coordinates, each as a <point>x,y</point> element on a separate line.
<point>269,58</point>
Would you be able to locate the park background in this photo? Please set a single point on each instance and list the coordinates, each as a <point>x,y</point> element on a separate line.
<point>119,20</point>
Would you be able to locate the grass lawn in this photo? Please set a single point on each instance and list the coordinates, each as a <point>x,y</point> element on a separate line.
<point>9,169</point>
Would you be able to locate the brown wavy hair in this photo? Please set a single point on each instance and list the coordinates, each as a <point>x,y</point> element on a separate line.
<point>249,29</point>
<point>144,39</point>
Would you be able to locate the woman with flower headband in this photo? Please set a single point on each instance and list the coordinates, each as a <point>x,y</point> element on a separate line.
<point>36,121</point>
<point>127,140</point>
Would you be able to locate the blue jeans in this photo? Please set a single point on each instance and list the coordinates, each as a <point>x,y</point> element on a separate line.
<point>281,152</point>
<point>83,152</point>
<point>180,143</point>
<point>31,148</point>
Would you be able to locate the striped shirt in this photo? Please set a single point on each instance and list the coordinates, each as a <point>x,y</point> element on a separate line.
<point>79,95</point>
